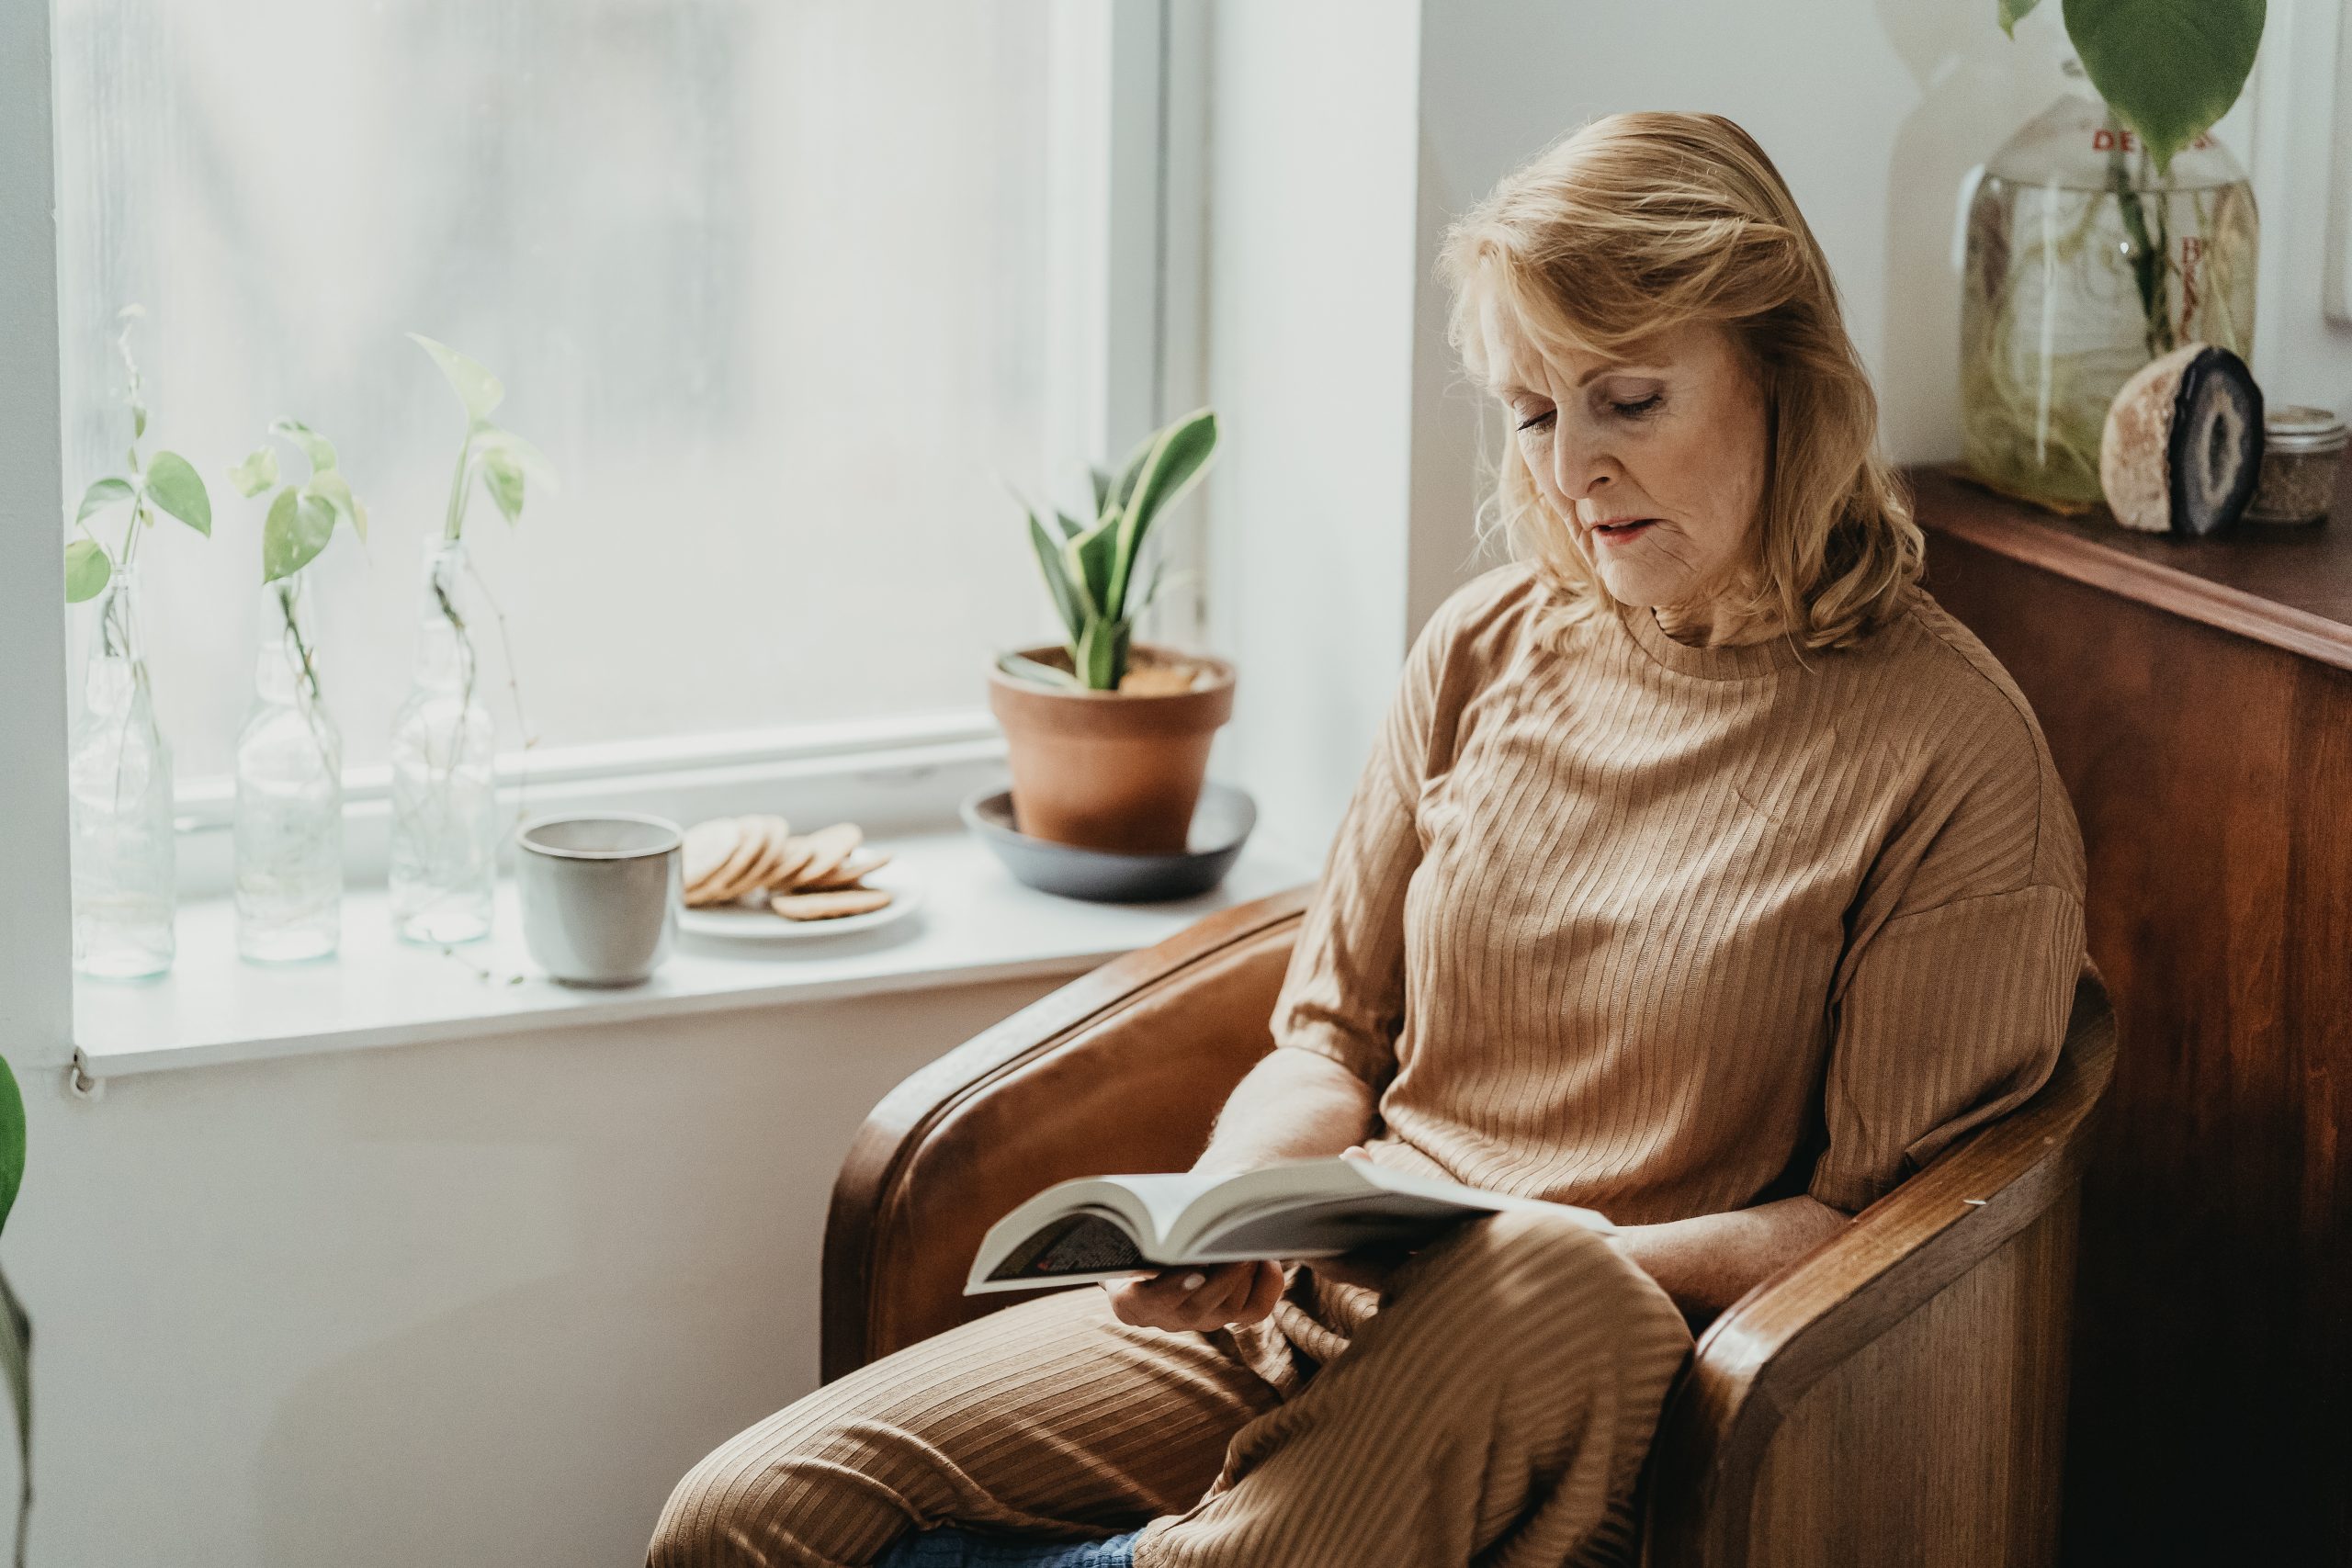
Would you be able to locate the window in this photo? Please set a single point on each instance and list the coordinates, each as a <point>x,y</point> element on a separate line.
<point>781,287</point>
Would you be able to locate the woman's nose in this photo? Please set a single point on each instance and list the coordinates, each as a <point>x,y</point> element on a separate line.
<point>1579,469</point>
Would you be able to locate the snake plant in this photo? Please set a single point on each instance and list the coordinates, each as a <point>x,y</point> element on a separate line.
<point>1091,567</point>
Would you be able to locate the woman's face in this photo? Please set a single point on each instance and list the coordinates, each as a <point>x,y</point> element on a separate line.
<point>1657,460</point>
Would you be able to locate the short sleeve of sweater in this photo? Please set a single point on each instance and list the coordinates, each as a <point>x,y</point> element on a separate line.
<point>1953,1017</point>
<point>1343,994</point>
<point>1951,1001</point>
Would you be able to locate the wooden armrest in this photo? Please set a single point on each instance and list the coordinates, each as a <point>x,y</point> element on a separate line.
<point>1761,1358</point>
<point>1122,1069</point>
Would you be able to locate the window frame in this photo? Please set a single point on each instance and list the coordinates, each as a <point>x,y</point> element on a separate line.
<point>1130,82</point>
<point>36,899</point>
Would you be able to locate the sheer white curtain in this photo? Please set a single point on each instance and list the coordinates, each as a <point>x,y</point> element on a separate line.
<point>767,280</point>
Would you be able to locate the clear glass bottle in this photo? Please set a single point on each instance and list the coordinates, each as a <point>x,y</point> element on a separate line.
<point>2082,265</point>
<point>290,795</point>
<point>119,775</point>
<point>444,800</point>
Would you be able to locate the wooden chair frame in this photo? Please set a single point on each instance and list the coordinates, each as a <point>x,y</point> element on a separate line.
<point>1896,1394</point>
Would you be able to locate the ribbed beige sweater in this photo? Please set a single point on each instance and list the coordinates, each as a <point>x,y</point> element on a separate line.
<point>1668,930</point>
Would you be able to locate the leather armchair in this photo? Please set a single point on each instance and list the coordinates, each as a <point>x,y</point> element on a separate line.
<point>1896,1395</point>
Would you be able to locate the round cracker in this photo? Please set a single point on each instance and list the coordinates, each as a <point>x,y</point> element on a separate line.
<point>848,872</point>
<point>748,846</point>
<point>755,877</point>
<point>828,847</point>
<point>787,872</point>
<point>828,906</point>
<point>709,845</point>
<point>764,837</point>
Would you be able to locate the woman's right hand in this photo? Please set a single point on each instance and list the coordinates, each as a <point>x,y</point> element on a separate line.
<point>1199,1299</point>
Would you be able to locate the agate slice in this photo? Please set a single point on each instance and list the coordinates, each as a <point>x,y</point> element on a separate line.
<point>2182,448</point>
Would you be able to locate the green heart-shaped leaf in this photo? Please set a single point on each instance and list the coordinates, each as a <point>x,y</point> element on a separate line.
<point>2168,68</point>
<point>330,486</point>
<point>491,438</point>
<point>476,388</point>
<point>87,568</point>
<point>174,485</point>
<point>101,495</point>
<point>2015,11</point>
<point>256,473</point>
<point>296,530</point>
<point>314,446</point>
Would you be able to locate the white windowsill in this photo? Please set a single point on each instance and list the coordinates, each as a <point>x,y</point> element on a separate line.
<point>975,924</point>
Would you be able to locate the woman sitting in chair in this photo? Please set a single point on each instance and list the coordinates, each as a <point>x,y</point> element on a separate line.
<point>1705,873</point>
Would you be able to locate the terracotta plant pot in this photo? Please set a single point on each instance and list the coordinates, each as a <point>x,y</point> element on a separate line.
<point>1109,770</point>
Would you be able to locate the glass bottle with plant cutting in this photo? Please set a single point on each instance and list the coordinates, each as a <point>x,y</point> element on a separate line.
<point>289,753</point>
<point>444,784</point>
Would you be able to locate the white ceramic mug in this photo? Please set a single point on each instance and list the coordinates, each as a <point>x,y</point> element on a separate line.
<point>600,894</point>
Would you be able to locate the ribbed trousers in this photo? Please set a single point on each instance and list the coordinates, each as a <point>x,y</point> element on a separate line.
<point>1492,1407</point>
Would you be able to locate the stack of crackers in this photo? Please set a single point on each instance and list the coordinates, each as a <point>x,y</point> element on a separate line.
<point>759,859</point>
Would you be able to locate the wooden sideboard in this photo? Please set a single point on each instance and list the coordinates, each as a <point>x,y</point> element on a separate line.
<point>2198,697</point>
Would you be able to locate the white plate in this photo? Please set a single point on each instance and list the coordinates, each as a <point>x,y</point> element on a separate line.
<point>744,922</point>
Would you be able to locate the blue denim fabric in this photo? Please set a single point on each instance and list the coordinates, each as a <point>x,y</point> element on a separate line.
<point>950,1548</point>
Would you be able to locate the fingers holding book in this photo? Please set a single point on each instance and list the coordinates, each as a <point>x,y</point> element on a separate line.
<point>1198,1298</point>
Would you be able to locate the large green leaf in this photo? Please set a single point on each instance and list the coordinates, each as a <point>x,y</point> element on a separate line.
<point>12,1140</point>
<point>174,484</point>
<point>2015,11</point>
<point>2168,68</point>
<point>1057,572</point>
<point>101,495</point>
<point>1175,463</point>
<point>87,567</point>
<point>257,473</point>
<point>476,388</point>
<point>296,530</point>
<point>314,446</point>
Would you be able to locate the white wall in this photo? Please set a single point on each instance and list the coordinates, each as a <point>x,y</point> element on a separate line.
<point>1310,302</point>
<point>470,1304</point>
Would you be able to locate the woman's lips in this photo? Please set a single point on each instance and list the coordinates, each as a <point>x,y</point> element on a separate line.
<point>1619,533</point>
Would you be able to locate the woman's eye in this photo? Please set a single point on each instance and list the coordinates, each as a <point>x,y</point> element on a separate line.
<point>1637,409</point>
<point>1537,421</point>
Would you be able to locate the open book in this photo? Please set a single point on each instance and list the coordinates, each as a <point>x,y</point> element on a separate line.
<point>1102,1227</point>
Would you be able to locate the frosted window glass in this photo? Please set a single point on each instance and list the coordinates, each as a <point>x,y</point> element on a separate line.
<point>766,280</point>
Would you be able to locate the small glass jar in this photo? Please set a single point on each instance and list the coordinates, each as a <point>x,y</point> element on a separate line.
<point>2302,452</point>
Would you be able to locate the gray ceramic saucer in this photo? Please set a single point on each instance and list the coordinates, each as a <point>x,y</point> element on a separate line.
<point>1221,825</point>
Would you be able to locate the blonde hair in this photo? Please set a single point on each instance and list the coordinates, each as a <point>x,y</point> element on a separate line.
<point>1640,223</point>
